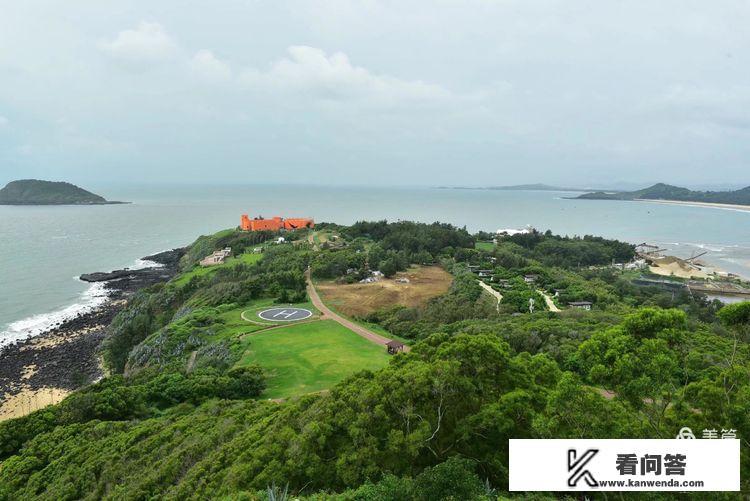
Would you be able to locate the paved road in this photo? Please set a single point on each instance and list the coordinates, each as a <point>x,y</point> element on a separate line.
<point>326,312</point>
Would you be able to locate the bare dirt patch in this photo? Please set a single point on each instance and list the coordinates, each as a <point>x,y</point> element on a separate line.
<point>673,266</point>
<point>424,282</point>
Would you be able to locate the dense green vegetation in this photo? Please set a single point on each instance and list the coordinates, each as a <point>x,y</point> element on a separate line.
<point>185,413</point>
<point>36,192</point>
<point>661,191</point>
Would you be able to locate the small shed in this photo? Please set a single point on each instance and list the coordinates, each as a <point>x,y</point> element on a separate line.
<point>394,347</point>
<point>581,305</point>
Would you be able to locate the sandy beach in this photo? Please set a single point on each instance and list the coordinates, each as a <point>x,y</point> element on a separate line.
<point>743,208</point>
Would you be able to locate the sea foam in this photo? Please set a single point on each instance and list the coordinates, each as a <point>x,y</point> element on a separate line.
<point>92,298</point>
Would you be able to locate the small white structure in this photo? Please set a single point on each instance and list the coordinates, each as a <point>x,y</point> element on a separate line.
<point>509,232</point>
<point>218,257</point>
<point>637,264</point>
<point>280,240</point>
<point>402,280</point>
<point>581,305</point>
<point>375,276</point>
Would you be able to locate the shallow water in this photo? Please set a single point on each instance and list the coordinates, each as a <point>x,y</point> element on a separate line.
<point>44,249</point>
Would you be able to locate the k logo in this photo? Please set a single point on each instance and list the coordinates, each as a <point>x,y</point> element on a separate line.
<point>577,467</point>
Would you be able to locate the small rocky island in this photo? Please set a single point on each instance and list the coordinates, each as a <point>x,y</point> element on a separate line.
<point>37,192</point>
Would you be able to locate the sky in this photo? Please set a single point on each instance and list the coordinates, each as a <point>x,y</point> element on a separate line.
<point>464,92</point>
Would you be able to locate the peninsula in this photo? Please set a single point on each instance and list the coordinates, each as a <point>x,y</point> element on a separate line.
<point>37,192</point>
<point>666,192</point>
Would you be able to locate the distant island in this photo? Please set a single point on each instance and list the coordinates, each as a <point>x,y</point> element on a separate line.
<point>666,192</point>
<point>37,192</point>
<point>516,187</point>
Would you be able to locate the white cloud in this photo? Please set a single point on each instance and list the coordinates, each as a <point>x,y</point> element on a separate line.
<point>146,44</point>
<point>205,64</point>
<point>312,72</point>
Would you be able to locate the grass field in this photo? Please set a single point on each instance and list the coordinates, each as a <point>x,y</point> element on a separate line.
<point>251,313</point>
<point>425,282</point>
<point>199,271</point>
<point>485,246</point>
<point>309,357</point>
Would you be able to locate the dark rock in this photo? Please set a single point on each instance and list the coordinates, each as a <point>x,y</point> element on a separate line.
<point>73,360</point>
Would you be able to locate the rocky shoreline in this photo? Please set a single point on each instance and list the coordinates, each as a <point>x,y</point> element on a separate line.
<point>45,368</point>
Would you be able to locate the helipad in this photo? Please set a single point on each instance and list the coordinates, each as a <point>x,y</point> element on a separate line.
<point>285,314</point>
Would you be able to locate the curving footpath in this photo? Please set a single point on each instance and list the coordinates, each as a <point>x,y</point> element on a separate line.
<point>326,312</point>
<point>551,306</point>
<point>493,292</point>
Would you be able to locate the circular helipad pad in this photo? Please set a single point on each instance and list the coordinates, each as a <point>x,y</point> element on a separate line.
<point>285,314</point>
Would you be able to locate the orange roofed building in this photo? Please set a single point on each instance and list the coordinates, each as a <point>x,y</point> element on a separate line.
<point>275,224</point>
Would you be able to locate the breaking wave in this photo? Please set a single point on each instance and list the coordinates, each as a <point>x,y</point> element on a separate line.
<point>92,298</point>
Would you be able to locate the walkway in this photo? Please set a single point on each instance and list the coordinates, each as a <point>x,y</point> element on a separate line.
<point>326,312</point>
<point>551,306</point>
<point>492,291</point>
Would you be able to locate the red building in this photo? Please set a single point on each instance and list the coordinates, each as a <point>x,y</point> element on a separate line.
<point>275,224</point>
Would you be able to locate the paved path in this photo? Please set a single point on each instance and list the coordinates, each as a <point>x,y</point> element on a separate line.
<point>326,312</point>
<point>492,291</point>
<point>551,306</point>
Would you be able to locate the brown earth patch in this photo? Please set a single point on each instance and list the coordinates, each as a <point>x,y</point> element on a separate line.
<point>425,282</point>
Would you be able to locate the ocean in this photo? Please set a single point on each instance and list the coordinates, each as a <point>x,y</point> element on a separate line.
<point>44,249</point>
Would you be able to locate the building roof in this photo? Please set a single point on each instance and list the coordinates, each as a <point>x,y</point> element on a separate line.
<point>394,344</point>
<point>580,303</point>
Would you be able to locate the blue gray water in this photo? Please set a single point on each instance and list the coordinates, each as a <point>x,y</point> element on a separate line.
<point>44,249</point>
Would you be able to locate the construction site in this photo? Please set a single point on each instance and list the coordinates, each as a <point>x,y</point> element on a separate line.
<point>661,264</point>
<point>700,277</point>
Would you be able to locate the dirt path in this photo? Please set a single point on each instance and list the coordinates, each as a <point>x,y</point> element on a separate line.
<point>311,240</point>
<point>492,291</point>
<point>551,306</point>
<point>326,312</point>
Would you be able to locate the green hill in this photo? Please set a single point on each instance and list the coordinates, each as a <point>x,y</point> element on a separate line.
<point>204,399</point>
<point>36,192</point>
<point>661,191</point>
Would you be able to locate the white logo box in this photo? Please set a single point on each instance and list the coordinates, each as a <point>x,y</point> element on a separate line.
<point>569,465</point>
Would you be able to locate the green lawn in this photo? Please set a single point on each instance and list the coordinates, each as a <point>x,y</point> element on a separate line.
<point>251,312</point>
<point>199,271</point>
<point>231,324</point>
<point>485,246</point>
<point>309,357</point>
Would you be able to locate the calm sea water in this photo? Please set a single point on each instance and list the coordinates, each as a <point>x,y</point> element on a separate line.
<point>44,249</point>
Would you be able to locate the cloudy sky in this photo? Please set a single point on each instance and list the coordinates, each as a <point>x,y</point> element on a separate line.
<point>457,92</point>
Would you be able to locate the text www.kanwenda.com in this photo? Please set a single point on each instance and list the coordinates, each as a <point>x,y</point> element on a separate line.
<point>651,483</point>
